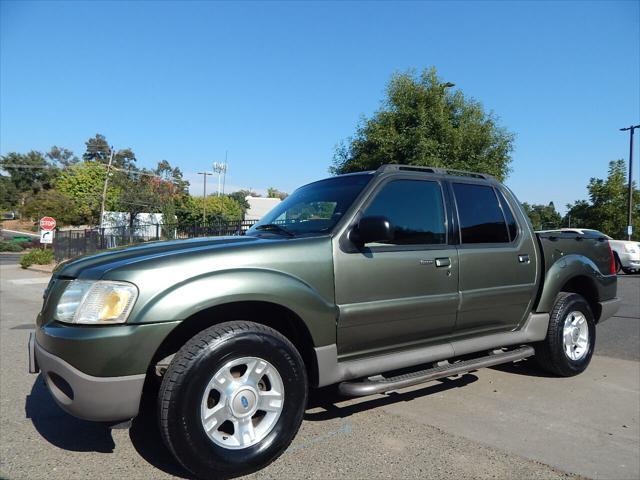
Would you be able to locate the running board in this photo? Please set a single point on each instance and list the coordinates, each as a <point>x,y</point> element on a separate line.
<point>380,384</point>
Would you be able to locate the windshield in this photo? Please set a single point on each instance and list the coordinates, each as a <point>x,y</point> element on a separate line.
<point>313,208</point>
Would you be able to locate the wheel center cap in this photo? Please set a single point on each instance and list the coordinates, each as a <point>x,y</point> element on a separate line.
<point>243,403</point>
<point>575,334</point>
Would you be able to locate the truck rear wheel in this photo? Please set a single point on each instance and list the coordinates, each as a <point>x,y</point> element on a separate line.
<point>571,335</point>
<point>232,399</point>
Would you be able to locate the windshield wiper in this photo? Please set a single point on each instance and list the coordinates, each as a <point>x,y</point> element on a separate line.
<point>274,227</point>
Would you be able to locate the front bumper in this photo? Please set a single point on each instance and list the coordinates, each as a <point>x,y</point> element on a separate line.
<point>101,399</point>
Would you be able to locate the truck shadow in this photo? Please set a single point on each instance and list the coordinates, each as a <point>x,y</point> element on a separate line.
<point>61,429</point>
<point>527,368</point>
<point>69,433</point>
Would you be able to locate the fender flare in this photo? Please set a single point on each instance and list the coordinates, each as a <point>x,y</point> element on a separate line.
<point>562,271</point>
<point>182,300</point>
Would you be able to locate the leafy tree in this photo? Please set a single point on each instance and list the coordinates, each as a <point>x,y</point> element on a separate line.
<point>137,195</point>
<point>606,209</point>
<point>171,190</point>
<point>422,123</point>
<point>51,203</point>
<point>62,156</point>
<point>543,216</point>
<point>240,196</point>
<point>29,172</point>
<point>99,150</point>
<point>83,182</point>
<point>9,195</point>
<point>275,193</point>
<point>223,208</point>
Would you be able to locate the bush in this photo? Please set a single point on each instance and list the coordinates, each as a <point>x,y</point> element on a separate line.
<point>10,247</point>
<point>38,256</point>
<point>30,244</point>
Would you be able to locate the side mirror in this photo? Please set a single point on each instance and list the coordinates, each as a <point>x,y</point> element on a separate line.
<point>372,229</point>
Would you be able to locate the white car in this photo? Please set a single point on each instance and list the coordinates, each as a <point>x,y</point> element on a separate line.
<point>626,252</point>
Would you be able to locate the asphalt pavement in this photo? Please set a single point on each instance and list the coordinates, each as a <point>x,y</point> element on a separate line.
<point>506,422</point>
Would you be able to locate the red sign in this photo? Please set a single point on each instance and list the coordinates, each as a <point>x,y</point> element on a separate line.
<point>47,223</point>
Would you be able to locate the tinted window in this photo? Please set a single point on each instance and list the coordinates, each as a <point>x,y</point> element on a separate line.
<point>481,219</point>
<point>415,210</point>
<point>508,215</point>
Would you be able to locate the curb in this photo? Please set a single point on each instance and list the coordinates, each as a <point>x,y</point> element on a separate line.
<point>41,268</point>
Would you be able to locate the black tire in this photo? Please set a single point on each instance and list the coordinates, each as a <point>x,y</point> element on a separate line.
<point>618,263</point>
<point>184,383</point>
<point>550,353</point>
<point>628,271</point>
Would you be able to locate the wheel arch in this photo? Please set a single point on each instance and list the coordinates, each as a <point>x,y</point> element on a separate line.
<point>271,314</point>
<point>575,274</point>
<point>586,287</point>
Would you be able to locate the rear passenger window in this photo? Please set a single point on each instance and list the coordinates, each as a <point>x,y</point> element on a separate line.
<point>480,215</point>
<point>508,215</point>
<point>414,208</point>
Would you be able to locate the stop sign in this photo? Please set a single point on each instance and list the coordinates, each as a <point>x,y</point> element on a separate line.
<point>47,223</point>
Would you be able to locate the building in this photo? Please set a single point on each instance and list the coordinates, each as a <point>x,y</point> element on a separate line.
<point>259,206</point>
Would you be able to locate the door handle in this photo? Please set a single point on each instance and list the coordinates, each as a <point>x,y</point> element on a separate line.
<point>443,262</point>
<point>524,258</point>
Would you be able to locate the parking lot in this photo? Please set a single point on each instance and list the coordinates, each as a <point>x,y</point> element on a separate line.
<point>506,422</point>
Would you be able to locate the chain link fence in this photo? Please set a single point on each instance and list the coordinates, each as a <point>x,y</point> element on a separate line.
<point>73,243</point>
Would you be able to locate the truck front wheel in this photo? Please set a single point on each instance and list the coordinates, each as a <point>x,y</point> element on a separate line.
<point>232,399</point>
<point>571,336</point>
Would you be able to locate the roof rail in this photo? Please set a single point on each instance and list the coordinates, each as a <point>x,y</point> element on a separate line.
<point>441,171</point>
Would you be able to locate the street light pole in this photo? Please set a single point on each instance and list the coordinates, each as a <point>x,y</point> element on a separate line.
<point>204,196</point>
<point>630,206</point>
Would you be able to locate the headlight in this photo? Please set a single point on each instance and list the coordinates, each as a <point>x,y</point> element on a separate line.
<point>96,302</point>
<point>629,248</point>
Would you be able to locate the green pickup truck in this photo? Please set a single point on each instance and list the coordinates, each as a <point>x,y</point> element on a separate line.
<point>372,281</point>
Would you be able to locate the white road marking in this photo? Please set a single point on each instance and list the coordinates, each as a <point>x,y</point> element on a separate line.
<point>30,281</point>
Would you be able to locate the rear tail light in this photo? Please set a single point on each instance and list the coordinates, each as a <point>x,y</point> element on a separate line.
<point>612,261</point>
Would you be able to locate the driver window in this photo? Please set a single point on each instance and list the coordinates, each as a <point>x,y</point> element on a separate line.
<point>415,209</point>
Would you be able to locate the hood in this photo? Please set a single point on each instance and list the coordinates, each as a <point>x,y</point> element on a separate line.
<point>101,262</point>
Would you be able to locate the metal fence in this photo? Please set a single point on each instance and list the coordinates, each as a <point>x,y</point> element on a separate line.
<point>72,243</point>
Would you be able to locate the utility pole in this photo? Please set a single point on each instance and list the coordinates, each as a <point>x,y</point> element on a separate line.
<point>630,206</point>
<point>104,190</point>
<point>204,196</point>
<point>226,167</point>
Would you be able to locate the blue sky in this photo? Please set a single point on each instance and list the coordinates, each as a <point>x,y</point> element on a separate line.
<point>278,85</point>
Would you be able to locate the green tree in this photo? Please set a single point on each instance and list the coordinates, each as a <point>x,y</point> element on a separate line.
<point>606,209</point>
<point>83,183</point>
<point>99,150</point>
<point>422,123</point>
<point>275,193</point>
<point>62,156</point>
<point>51,203</point>
<point>543,217</point>
<point>223,208</point>
<point>29,172</point>
<point>9,195</point>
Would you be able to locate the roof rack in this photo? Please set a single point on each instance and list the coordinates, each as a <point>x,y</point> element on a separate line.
<point>441,171</point>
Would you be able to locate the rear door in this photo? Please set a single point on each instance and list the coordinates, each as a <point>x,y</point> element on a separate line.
<point>497,260</point>
<point>405,291</point>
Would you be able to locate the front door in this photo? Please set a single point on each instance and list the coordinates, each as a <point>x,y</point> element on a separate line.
<point>403,292</point>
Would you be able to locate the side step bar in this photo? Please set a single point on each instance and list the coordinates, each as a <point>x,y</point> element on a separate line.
<point>380,384</point>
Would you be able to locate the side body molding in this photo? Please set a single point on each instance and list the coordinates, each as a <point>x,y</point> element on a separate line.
<point>182,300</point>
